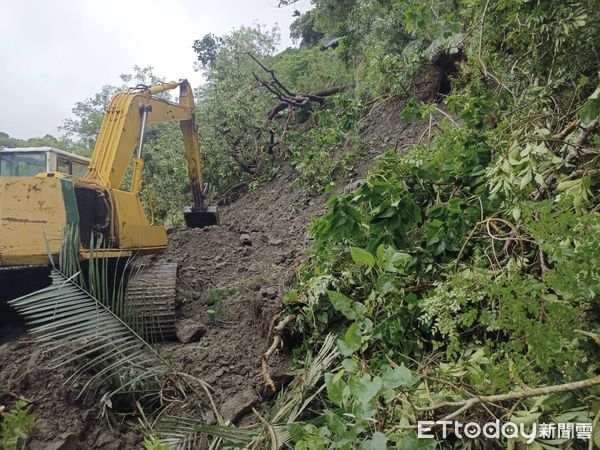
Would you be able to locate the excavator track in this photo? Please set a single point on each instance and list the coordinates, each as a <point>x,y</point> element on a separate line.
<point>152,297</point>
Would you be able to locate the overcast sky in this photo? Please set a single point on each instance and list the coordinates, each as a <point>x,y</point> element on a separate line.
<point>54,53</point>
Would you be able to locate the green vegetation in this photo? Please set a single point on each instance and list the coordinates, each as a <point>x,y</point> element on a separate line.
<point>15,426</point>
<point>217,300</point>
<point>468,266</point>
<point>67,316</point>
<point>155,444</point>
<point>46,141</point>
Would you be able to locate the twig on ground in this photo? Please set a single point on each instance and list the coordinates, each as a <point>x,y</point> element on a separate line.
<point>276,333</point>
<point>465,405</point>
<point>594,336</point>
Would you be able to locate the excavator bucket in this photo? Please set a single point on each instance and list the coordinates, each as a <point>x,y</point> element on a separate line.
<point>200,218</point>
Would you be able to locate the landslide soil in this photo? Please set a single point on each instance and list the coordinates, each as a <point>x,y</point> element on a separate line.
<point>231,280</point>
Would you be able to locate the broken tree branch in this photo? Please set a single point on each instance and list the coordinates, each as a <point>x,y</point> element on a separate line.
<point>303,99</point>
<point>582,140</point>
<point>276,332</point>
<point>516,395</point>
<point>230,191</point>
<point>574,154</point>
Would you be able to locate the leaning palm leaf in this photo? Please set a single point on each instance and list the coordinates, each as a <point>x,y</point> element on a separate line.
<point>183,433</point>
<point>302,389</point>
<point>78,327</point>
<point>75,326</point>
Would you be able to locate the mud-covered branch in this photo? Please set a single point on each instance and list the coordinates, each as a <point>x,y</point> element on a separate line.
<point>276,332</point>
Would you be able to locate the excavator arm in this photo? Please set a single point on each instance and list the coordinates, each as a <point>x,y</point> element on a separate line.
<point>122,134</point>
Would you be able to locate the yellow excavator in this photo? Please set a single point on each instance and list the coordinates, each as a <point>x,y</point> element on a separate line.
<point>36,210</point>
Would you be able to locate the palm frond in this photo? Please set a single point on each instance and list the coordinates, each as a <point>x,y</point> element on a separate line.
<point>73,324</point>
<point>184,432</point>
<point>302,390</point>
<point>450,44</point>
<point>81,321</point>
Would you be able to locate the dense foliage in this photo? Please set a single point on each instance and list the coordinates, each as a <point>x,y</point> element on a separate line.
<point>468,266</point>
<point>15,426</point>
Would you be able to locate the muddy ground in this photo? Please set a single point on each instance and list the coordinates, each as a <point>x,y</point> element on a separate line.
<point>231,280</point>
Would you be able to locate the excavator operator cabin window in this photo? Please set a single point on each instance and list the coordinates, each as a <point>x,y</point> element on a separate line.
<point>22,164</point>
<point>63,165</point>
<point>79,169</point>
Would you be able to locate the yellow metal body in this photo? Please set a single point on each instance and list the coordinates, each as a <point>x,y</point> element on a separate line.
<point>26,238</point>
<point>132,226</point>
<point>35,211</point>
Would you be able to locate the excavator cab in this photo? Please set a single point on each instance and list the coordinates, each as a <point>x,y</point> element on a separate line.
<point>30,161</point>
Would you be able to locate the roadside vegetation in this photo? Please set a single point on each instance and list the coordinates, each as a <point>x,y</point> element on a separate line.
<point>15,425</point>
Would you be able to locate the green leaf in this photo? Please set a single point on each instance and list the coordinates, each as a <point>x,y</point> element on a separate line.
<point>412,442</point>
<point>359,310</point>
<point>344,349</point>
<point>335,387</point>
<point>352,339</point>
<point>591,110</point>
<point>526,179</point>
<point>341,303</point>
<point>385,283</point>
<point>296,431</point>
<point>412,110</point>
<point>362,257</point>
<point>377,442</point>
<point>335,423</point>
<point>516,213</point>
<point>350,365</point>
<point>368,389</point>
<point>380,255</point>
<point>400,376</point>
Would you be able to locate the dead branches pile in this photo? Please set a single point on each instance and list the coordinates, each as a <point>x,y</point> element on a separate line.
<point>263,142</point>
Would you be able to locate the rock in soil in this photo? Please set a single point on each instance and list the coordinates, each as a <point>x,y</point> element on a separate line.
<point>245,239</point>
<point>189,330</point>
<point>236,407</point>
<point>65,441</point>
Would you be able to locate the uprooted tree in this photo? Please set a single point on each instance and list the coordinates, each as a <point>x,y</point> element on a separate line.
<point>266,141</point>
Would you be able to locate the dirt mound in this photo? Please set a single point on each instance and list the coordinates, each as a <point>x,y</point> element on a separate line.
<point>231,280</point>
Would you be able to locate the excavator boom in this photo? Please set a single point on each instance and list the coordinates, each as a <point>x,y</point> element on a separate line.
<point>122,133</point>
<point>35,210</point>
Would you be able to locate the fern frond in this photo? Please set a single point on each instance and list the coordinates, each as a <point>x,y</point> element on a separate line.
<point>450,45</point>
